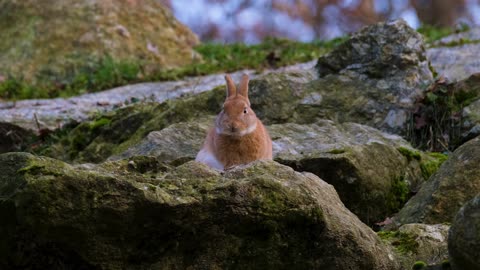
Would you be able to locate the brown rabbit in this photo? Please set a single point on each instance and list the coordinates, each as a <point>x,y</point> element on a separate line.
<point>239,137</point>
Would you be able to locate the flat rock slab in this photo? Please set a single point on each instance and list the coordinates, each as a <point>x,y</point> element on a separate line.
<point>455,63</point>
<point>53,113</point>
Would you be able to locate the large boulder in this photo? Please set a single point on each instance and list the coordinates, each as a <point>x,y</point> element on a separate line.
<point>141,214</point>
<point>374,77</point>
<point>464,237</point>
<point>372,171</point>
<point>456,182</point>
<point>51,42</point>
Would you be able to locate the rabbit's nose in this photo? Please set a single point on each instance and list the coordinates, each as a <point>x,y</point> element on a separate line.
<point>233,128</point>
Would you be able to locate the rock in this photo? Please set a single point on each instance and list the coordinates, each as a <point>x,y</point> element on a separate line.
<point>374,77</point>
<point>54,113</point>
<point>419,242</point>
<point>356,159</point>
<point>176,143</point>
<point>455,56</point>
<point>456,182</point>
<point>455,63</point>
<point>373,172</point>
<point>52,42</point>
<point>464,237</point>
<point>115,216</point>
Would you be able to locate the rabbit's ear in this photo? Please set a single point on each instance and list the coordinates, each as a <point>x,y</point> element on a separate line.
<point>243,87</point>
<point>231,89</point>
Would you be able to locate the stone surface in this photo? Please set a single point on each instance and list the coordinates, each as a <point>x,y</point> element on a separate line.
<point>419,242</point>
<point>455,63</point>
<point>431,240</point>
<point>464,237</point>
<point>372,171</point>
<point>375,76</point>
<point>456,57</point>
<point>52,41</point>
<point>456,182</point>
<point>139,214</point>
<point>176,143</point>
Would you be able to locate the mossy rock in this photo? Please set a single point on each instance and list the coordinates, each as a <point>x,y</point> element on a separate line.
<point>114,132</point>
<point>52,43</point>
<point>416,243</point>
<point>138,213</point>
<point>372,177</point>
<point>455,182</point>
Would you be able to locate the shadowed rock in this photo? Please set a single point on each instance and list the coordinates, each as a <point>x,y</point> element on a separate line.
<point>464,237</point>
<point>456,182</point>
<point>115,216</point>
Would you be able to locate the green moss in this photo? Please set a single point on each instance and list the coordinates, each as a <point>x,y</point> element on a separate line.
<point>418,265</point>
<point>430,165</point>
<point>398,195</point>
<point>409,153</point>
<point>432,33</point>
<point>337,151</point>
<point>99,123</point>
<point>107,72</point>
<point>404,243</point>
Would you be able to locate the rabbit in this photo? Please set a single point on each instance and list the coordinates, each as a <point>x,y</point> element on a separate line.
<point>238,137</point>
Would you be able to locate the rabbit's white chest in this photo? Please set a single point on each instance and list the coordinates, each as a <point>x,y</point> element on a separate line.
<point>208,158</point>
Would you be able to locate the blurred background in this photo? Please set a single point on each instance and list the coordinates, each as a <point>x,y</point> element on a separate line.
<point>250,21</point>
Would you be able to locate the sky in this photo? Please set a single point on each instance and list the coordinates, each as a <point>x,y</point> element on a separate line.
<point>199,13</point>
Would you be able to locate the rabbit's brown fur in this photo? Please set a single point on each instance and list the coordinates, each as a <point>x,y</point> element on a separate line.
<point>239,137</point>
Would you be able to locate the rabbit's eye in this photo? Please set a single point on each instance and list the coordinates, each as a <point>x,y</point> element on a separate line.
<point>245,110</point>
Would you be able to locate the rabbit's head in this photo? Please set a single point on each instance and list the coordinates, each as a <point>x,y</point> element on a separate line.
<point>236,117</point>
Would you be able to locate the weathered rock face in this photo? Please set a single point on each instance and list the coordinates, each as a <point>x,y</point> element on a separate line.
<point>375,76</point>
<point>116,215</point>
<point>373,172</point>
<point>419,242</point>
<point>177,143</point>
<point>464,237</point>
<point>456,57</point>
<point>52,41</point>
<point>456,182</point>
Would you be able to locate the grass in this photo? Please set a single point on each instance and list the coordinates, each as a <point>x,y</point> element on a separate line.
<point>433,33</point>
<point>107,73</point>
